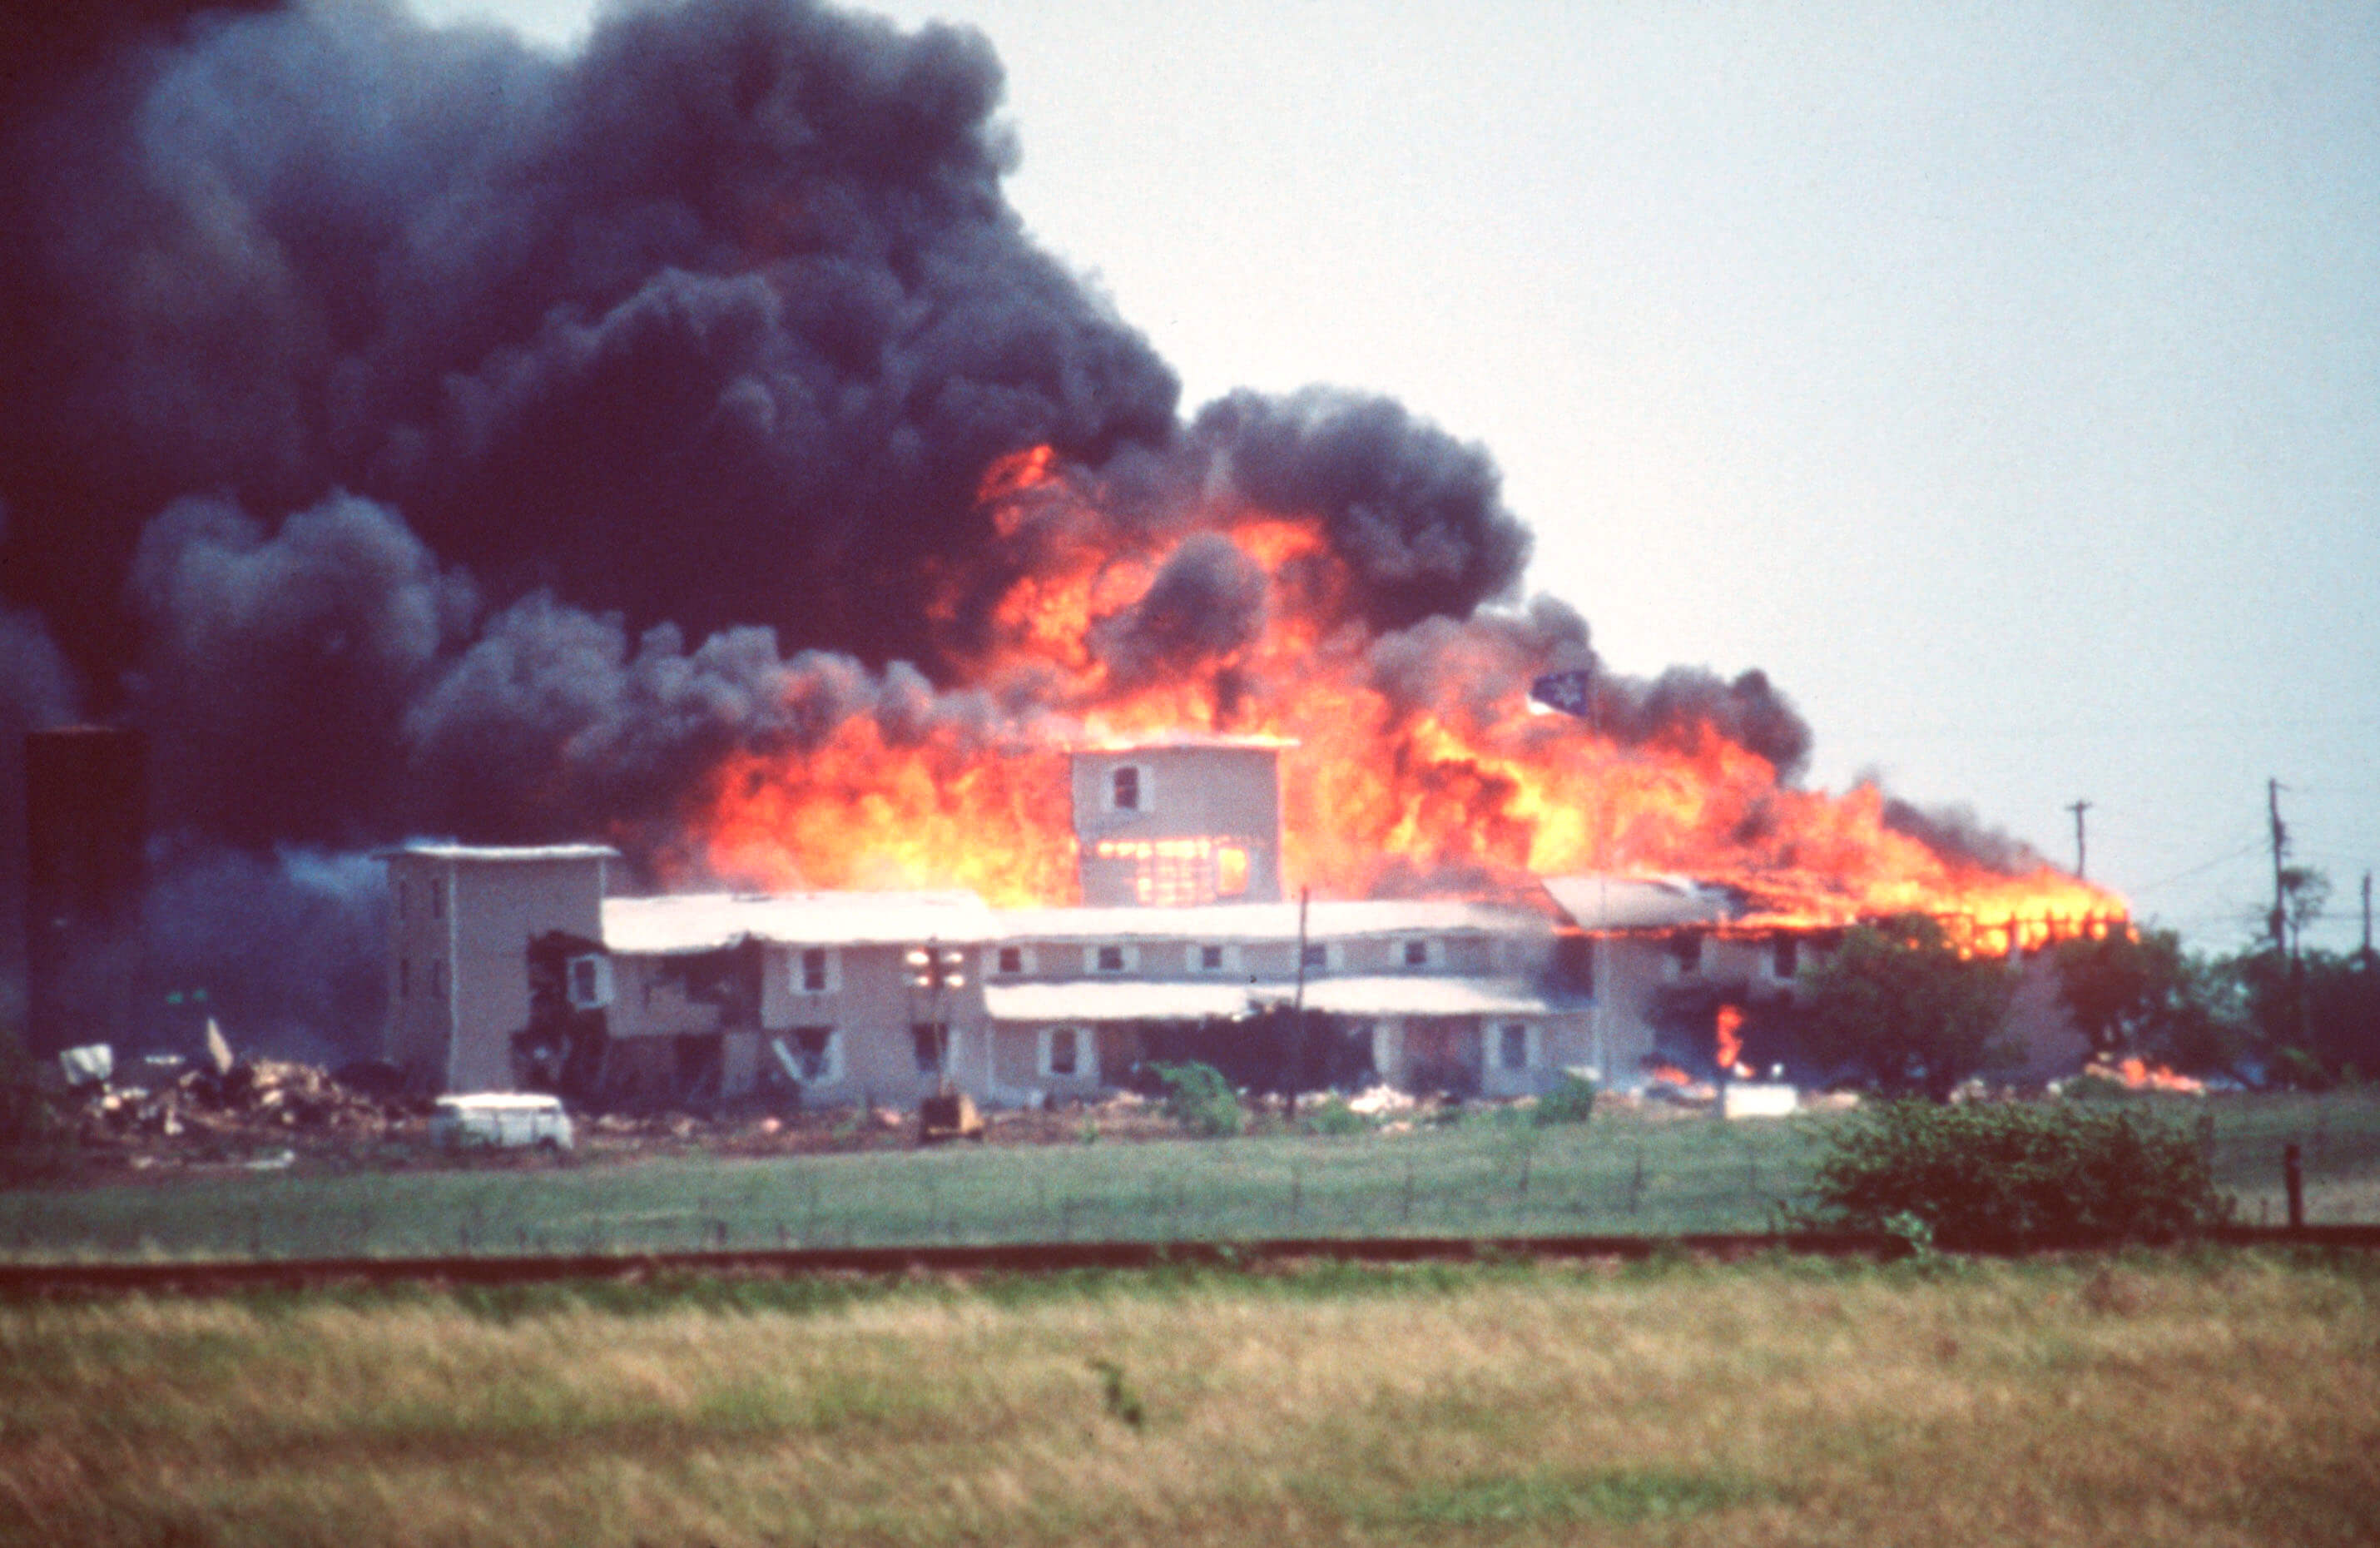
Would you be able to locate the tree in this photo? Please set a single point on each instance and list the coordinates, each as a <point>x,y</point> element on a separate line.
<point>1902,1005</point>
<point>2142,995</point>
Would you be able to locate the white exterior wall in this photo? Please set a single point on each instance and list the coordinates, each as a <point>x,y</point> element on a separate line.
<point>1224,793</point>
<point>458,958</point>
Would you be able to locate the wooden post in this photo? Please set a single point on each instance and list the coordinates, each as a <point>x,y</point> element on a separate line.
<point>2293,1181</point>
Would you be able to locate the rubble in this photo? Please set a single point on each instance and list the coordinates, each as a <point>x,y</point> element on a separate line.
<point>244,1106</point>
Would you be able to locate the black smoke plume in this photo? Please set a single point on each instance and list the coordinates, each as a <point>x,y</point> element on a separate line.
<point>416,432</point>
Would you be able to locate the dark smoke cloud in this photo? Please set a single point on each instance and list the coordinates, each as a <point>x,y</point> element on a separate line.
<point>552,726</point>
<point>416,432</point>
<point>1957,834</point>
<point>288,946</point>
<point>1417,515</point>
<point>737,281</point>
<point>1746,710</point>
<point>277,668</point>
<point>1207,601</point>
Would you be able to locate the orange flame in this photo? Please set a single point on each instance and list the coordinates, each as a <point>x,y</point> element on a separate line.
<point>2139,1075</point>
<point>1419,760</point>
<point>1730,1041</point>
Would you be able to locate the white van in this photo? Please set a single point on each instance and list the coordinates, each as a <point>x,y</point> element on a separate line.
<point>501,1120</point>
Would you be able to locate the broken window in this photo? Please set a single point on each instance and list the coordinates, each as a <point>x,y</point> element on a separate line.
<point>1211,959</point>
<point>1687,950</point>
<point>1011,960</point>
<point>817,975</point>
<point>810,1055</point>
<point>1416,954</point>
<point>1125,785</point>
<point>1108,959</point>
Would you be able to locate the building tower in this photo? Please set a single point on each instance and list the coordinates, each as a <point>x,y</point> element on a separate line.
<point>1178,821</point>
<point>86,836</point>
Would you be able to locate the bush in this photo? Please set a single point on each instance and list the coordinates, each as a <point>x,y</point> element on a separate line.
<point>1573,1101</point>
<point>1200,1100</point>
<point>2005,1174</point>
<point>1331,1115</point>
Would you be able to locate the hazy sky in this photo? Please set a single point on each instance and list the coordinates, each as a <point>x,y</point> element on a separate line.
<point>2004,380</point>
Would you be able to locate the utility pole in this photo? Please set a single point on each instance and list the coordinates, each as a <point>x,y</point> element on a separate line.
<point>1297,1007</point>
<point>2367,919</point>
<point>2082,855</point>
<point>2280,920</point>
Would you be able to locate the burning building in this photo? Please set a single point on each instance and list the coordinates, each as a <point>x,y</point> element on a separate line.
<point>510,966</point>
<point>681,444</point>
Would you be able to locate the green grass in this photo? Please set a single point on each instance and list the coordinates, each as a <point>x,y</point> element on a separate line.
<point>2222,1399</point>
<point>1620,1173</point>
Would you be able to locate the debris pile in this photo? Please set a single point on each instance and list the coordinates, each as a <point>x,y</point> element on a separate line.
<point>253,1100</point>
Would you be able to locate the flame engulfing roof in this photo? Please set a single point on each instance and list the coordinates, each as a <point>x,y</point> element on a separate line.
<point>1601,903</point>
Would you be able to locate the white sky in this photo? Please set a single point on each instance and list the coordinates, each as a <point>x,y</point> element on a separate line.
<point>2004,379</point>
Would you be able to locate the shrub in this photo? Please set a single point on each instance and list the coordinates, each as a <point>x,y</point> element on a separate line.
<point>1331,1115</point>
<point>1200,1100</point>
<point>1573,1101</point>
<point>1998,1175</point>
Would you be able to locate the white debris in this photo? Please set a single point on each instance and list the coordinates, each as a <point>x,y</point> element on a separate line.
<point>90,1065</point>
<point>1379,1100</point>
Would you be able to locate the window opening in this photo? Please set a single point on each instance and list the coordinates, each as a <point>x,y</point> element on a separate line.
<point>1416,954</point>
<point>1063,1056</point>
<point>1512,1045</point>
<point>814,970</point>
<point>1012,959</point>
<point>1110,959</point>
<point>1785,958</point>
<point>808,1053</point>
<point>1126,783</point>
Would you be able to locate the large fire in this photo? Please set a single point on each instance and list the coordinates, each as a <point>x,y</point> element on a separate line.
<point>1419,760</point>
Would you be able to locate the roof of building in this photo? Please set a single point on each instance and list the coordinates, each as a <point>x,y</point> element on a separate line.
<point>1168,739</point>
<point>1198,1000</point>
<point>1597,903</point>
<point>1268,922</point>
<point>498,852</point>
<point>682,925</point>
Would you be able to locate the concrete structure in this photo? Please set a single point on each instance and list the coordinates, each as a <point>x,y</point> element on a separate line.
<point>462,920</point>
<point>510,968</point>
<point>810,995</point>
<point>1180,822</point>
<point>87,834</point>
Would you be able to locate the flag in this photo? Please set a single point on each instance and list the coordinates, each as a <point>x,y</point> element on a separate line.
<point>1566,691</point>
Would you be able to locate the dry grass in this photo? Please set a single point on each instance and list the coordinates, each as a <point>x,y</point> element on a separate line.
<point>2225,1399</point>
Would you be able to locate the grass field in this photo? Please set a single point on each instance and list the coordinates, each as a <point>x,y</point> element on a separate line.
<point>2215,1399</point>
<point>1623,1172</point>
